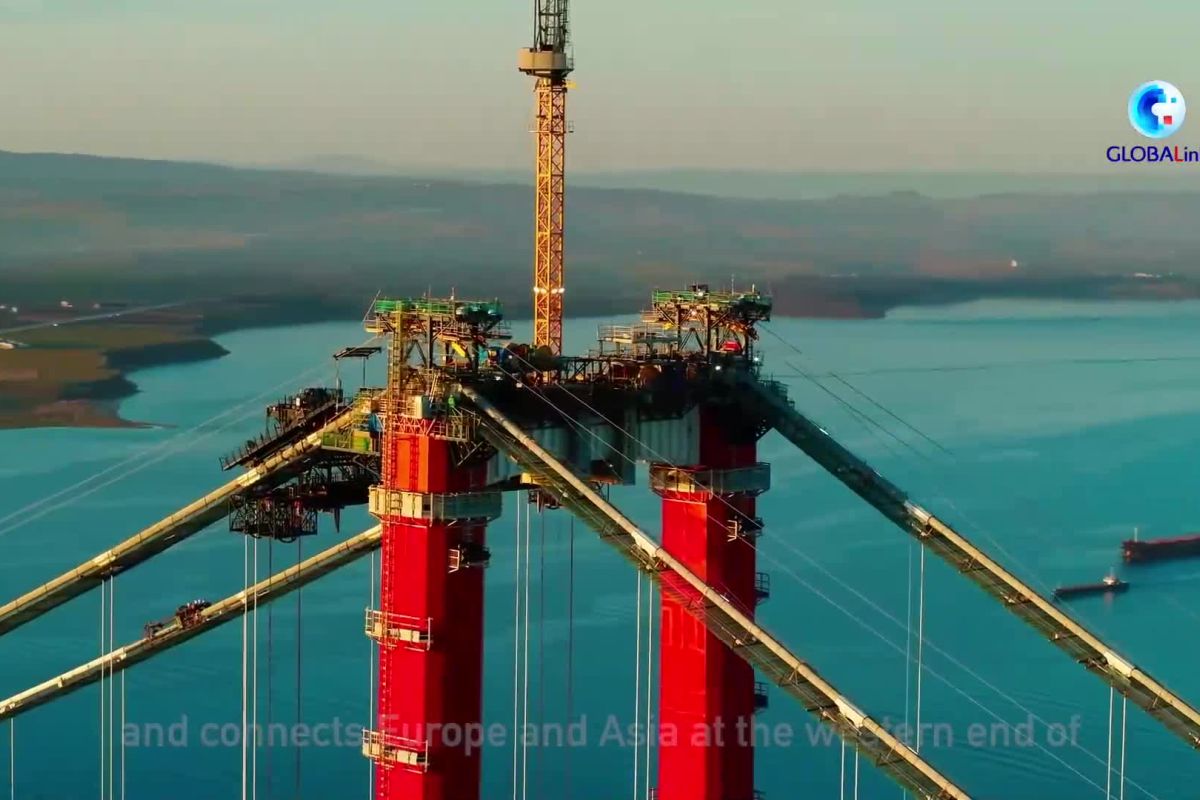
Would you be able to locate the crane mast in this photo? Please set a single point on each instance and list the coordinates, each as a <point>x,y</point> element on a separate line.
<point>549,62</point>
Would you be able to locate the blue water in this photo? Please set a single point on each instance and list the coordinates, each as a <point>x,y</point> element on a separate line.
<point>1066,425</point>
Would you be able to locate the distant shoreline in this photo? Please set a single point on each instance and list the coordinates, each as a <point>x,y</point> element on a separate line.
<point>77,376</point>
<point>96,403</point>
<point>104,397</point>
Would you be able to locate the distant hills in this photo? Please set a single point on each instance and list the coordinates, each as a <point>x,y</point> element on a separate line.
<point>310,244</point>
<point>783,185</point>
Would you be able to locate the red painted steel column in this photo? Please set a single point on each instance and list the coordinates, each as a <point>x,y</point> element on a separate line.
<point>428,690</point>
<point>707,694</point>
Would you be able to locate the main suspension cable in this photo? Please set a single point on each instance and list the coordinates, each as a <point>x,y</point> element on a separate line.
<point>144,457</point>
<point>585,429</point>
<point>1035,579</point>
<point>1031,576</point>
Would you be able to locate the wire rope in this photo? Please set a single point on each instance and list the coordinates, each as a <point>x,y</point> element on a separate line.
<point>637,677</point>
<point>245,657</point>
<point>525,732</point>
<point>966,695</point>
<point>1108,773</point>
<point>516,731</point>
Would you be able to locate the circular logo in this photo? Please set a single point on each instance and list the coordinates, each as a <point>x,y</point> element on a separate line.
<point>1156,109</point>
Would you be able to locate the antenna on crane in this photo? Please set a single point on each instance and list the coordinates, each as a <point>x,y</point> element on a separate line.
<point>549,62</point>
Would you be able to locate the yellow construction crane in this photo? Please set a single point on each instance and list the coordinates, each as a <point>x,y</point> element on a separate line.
<point>549,61</point>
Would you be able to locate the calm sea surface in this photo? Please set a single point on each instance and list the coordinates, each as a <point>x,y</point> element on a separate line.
<point>1064,426</point>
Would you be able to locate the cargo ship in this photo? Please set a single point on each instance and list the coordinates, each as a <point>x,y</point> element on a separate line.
<point>1137,550</point>
<point>1110,585</point>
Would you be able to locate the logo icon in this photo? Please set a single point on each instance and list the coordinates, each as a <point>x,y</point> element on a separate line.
<point>1156,109</point>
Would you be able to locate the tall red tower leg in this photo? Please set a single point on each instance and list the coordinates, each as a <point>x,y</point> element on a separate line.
<point>707,694</point>
<point>430,622</point>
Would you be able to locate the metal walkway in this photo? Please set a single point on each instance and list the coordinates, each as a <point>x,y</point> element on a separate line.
<point>735,627</point>
<point>165,533</point>
<point>770,399</point>
<point>278,585</point>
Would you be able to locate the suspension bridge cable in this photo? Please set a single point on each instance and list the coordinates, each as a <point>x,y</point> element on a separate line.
<point>1033,577</point>
<point>525,668</point>
<point>891,413</point>
<point>966,695</point>
<point>371,603</point>
<point>862,394</point>
<point>103,650</point>
<point>139,461</point>
<point>299,673</point>
<point>516,731</point>
<point>920,643</point>
<point>12,759</point>
<point>869,424</point>
<point>865,418</point>
<point>571,421</point>
<point>995,365</point>
<point>570,649</point>
<point>637,677</point>
<point>271,666</point>
<point>123,774</point>
<point>254,686</point>
<point>245,598</point>
<point>1112,694</point>
<point>860,416</point>
<point>842,780</point>
<point>649,680</point>
<point>541,648</point>
<point>112,605</point>
<point>855,775</point>
<point>941,652</point>
<point>1030,501</point>
<point>908,635</point>
<point>1121,777</point>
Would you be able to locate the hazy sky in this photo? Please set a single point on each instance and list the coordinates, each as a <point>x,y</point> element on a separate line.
<point>788,84</point>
